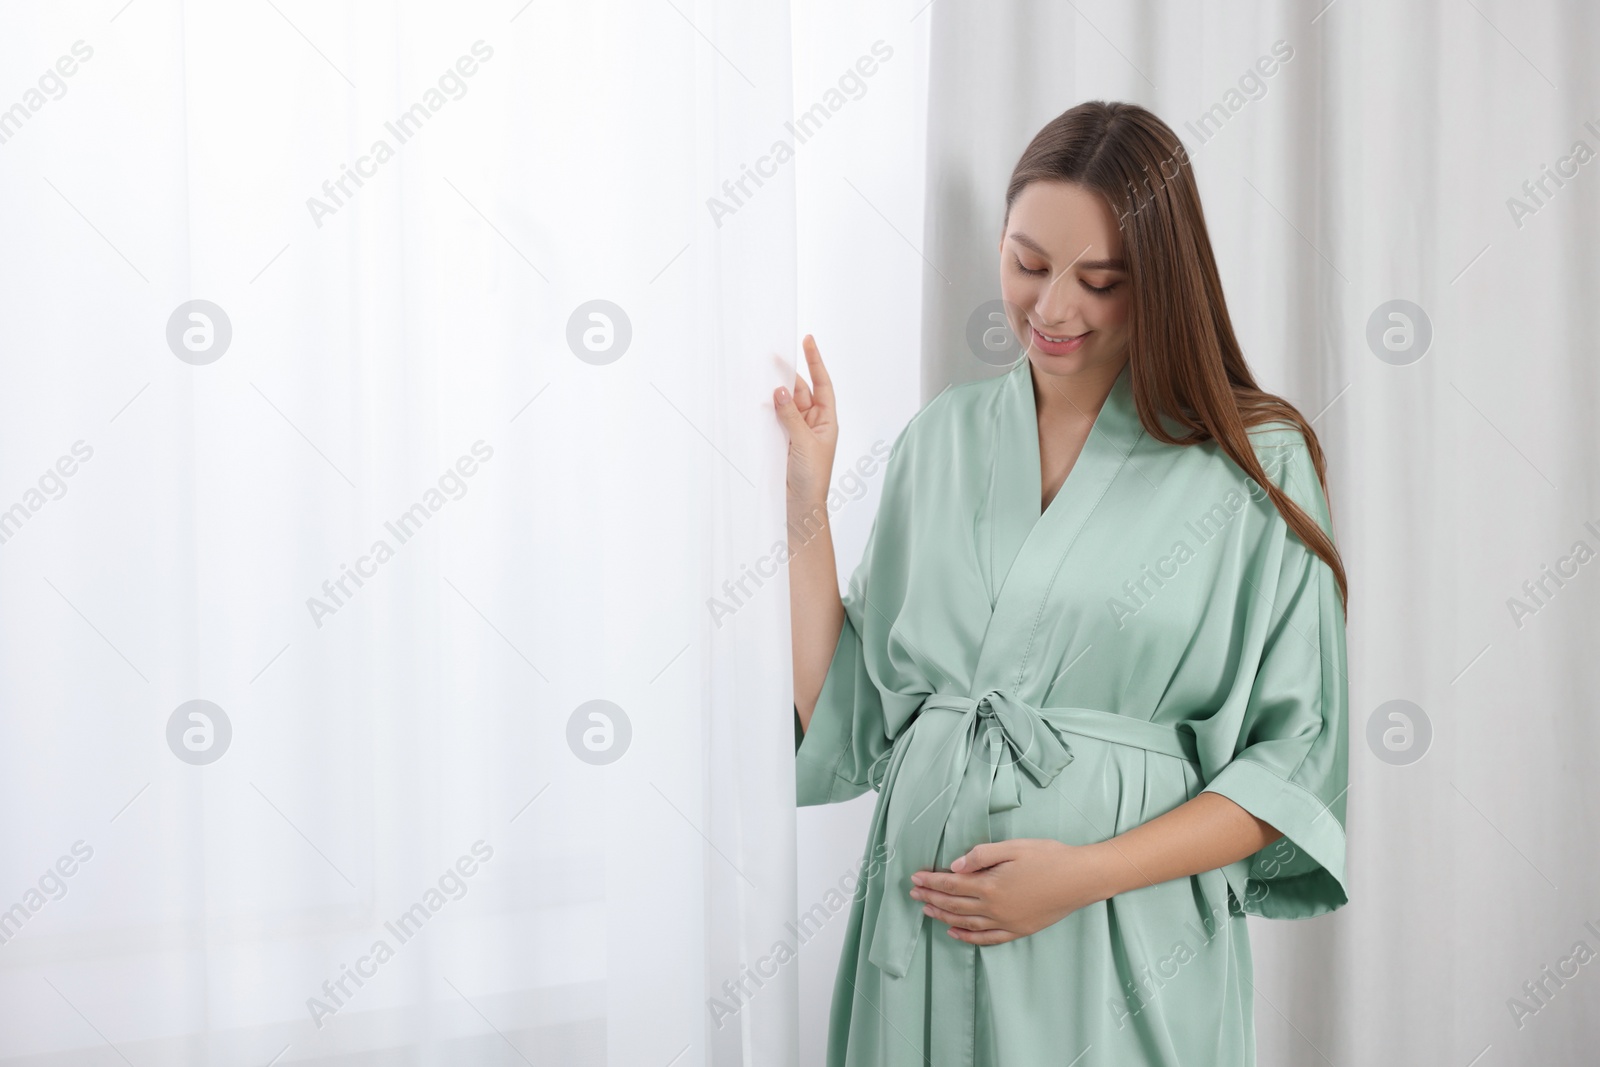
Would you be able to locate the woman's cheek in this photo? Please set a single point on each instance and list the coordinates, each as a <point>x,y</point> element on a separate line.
<point>1018,299</point>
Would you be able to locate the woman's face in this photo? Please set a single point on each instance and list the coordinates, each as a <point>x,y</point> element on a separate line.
<point>1064,281</point>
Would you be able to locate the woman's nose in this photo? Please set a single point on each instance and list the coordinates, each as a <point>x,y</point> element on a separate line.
<point>1057,307</point>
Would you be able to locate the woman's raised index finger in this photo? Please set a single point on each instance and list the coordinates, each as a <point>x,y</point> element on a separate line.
<point>821,384</point>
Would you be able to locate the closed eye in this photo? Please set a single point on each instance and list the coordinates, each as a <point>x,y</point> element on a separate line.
<point>1025,270</point>
<point>1099,290</point>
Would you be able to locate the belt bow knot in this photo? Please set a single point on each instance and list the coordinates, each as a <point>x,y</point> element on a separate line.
<point>955,763</point>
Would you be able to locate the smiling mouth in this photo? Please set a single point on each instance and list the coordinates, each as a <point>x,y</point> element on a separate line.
<point>1057,340</point>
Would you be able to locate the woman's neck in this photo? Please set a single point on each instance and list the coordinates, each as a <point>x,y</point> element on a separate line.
<point>1072,399</point>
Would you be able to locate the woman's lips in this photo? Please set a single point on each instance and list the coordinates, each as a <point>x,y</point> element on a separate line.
<point>1056,348</point>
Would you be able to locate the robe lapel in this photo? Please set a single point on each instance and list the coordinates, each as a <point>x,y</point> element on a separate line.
<point>1028,548</point>
<point>1013,505</point>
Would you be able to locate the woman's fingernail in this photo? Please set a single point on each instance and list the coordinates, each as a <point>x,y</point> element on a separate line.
<point>783,395</point>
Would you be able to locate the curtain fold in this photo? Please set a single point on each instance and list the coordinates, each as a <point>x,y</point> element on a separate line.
<point>422,397</point>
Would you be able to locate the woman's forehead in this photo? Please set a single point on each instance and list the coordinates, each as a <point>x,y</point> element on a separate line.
<point>1063,220</point>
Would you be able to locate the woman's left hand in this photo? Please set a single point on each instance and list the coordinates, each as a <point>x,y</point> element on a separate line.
<point>1010,889</point>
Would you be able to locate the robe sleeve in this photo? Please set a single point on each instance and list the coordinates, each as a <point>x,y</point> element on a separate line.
<point>841,755</point>
<point>1290,767</point>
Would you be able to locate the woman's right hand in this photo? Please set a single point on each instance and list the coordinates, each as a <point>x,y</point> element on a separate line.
<point>810,420</point>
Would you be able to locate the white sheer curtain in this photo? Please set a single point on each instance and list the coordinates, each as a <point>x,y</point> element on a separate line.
<point>432,501</point>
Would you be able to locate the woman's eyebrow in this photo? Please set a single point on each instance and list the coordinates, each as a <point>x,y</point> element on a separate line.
<point>1086,264</point>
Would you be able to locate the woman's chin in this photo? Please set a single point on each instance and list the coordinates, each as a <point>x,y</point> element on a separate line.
<point>1071,363</point>
<point>1086,360</point>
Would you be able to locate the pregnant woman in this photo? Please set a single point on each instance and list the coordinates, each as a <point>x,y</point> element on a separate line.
<point>1093,657</point>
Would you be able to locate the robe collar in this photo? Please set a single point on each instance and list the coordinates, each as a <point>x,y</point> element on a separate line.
<point>1015,478</point>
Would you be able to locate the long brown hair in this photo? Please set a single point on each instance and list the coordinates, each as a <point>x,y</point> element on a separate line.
<point>1185,361</point>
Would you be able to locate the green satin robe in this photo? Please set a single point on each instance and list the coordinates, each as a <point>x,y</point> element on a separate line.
<point>1157,631</point>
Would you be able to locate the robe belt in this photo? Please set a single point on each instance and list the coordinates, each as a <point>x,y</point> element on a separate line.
<point>955,763</point>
